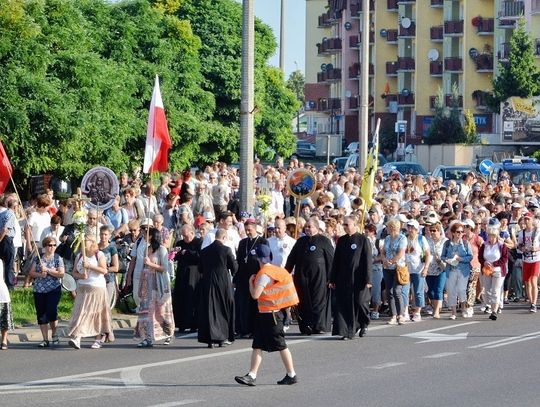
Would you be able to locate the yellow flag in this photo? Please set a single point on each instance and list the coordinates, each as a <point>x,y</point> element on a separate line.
<point>368,180</point>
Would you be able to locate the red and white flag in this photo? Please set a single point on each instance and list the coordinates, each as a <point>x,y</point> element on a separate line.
<point>5,169</point>
<point>158,141</point>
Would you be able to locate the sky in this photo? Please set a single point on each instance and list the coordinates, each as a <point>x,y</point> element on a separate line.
<point>295,30</point>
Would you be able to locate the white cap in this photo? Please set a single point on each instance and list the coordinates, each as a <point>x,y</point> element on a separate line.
<point>414,224</point>
<point>469,222</point>
<point>402,218</point>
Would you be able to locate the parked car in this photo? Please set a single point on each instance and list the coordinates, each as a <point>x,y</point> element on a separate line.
<point>352,161</point>
<point>352,148</point>
<point>452,172</point>
<point>339,163</point>
<point>520,169</point>
<point>404,168</point>
<point>305,149</point>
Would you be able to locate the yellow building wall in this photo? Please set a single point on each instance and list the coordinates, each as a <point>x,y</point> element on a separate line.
<point>425,84</point>
<point>314,8</point>
<point>381,53</point>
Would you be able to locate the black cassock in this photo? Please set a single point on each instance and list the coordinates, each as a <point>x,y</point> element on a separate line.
<point>311,259</point>
<point>216,302</point>
<point>248,265</point>
<point>351,272</point>
<point>186,287</point>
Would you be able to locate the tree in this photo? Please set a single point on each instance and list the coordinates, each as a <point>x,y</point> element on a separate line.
<point>296,83</point>
<point>446,125</point>
<point>471,137</point>
<point>519,76</point>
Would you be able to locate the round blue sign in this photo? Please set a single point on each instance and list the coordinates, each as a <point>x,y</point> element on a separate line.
<point>485,166</point>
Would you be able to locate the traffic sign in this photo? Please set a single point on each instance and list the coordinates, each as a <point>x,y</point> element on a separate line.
<point>400,126</point>
<point>485,166</point>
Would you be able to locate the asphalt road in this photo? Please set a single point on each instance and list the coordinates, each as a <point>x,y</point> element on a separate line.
<point>473,362</point>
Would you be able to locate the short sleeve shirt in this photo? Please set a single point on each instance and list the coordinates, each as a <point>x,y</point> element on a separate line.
<point>49,283</point>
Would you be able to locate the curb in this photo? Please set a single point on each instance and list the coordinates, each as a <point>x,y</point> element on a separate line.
<point>32,333</point>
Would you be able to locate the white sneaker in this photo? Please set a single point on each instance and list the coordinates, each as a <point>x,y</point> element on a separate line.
<point>392,321</point>
<point>75,343</point>
<point>452,317</point>
<point>416,318</point>
<point>374,315</point>
<point>470,312</point>
<point>402,319</point>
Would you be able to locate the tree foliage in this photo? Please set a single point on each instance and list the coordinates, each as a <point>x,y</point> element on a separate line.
<point>77,78</point>
<point>471,137</point>
<point>296,84</point>
<point>519,76</point>
<point>446,125</point>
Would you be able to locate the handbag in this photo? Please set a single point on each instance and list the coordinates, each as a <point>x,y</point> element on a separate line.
<point>402,275</point>
<point>487,270</point>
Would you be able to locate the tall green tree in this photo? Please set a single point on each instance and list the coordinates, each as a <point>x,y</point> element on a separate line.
<point>296,83</point>
<point>446,126</point>
<point>519,76</point>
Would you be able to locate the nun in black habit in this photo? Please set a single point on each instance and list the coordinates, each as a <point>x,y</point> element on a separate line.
<point>351,280</point>
<point>311,260</point>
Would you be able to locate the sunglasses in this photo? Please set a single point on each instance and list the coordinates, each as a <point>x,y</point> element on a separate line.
<point>51,245</point>
<point>132,230</point>
<point>458,231</point>
<point>433,230</point>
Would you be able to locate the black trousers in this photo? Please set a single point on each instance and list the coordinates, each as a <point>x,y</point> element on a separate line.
<point>7,255</point>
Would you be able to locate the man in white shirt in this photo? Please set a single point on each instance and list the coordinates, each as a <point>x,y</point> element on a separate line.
<point>278,201</point>
<point>233,237</point>
<point>344,200</point>
<point>280,244</point>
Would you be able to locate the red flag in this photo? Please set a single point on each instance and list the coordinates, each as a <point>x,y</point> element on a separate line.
<point>158,141</point>
<point>5,169</point>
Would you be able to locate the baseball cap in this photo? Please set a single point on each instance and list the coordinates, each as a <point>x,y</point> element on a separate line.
<point>402,218</point>
<point>263,253</point>
<point>209,216</point>
<point>516,205</point>
<point>414,224</point>
<point>470,223</point>
<point>147,222</point>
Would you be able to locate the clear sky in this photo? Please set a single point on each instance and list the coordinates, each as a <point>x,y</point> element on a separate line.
<point>295,30</point>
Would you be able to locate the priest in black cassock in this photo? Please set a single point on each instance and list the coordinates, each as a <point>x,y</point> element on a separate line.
<point>248,265</point>
<point>186,288</point>
<point>216,302</point>
<point>351,280</point>
<point>311,260</point>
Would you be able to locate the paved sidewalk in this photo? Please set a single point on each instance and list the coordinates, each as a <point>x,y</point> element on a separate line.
<point>31,333</point>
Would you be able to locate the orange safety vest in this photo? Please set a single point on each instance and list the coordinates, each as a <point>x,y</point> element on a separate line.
<point>279,294</point>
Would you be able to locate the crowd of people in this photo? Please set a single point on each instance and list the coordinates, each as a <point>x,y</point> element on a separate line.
<point>189,255</point>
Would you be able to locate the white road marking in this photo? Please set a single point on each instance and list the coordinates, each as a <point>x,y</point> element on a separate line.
<point>510,338</point>
<point>528,338</point>
<point>440,355</point>
<point>131,377</point>
<point>430,335</point>
<point>177,403</point>
<point>386,365</point>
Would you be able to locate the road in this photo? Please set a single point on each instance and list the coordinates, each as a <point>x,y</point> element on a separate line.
<point>473,362</point>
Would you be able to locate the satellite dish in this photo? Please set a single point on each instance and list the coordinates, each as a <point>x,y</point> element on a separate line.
<point>329,67</point>
<point>312,104</point>
<point>324,39</point>
<point>323,67</point>
<point>433,54</point>
<point>405,92</point>
<point>348,93</point>
<point>406,22</point>
<point>473,52</point>
<point>348,26</point>
<point>383,33</point>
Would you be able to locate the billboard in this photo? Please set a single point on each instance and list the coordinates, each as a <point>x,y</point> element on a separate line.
<point>520,121</point>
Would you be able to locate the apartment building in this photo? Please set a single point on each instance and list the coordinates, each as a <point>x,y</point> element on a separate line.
<point>416,48</point>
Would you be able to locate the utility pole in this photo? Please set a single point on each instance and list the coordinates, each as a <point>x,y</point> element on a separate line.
<point>282,38</point>
<point>247,107</point>
<point>364,89</point>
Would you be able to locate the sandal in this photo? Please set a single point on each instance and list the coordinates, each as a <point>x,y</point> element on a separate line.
<point>44,344</point>
<point>3,346</point>
<point>145,344</point>
<point>55,340</point>
<point>97,344</point>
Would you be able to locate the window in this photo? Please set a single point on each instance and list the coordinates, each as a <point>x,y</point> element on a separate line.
<point>535,6</point>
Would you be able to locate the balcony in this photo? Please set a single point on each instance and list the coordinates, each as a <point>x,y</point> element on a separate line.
<point>437,3</point>
<point>504,52</point>
<point>392,36</point>
<point>485,26</point>
<point>453,28</point>
<point>356,40</point>
<point>329,46</point>
<point>408,32</point>
<point>392,5</point>
<point>406,100</point>
<point>330,75</point>
<point>355,70</point>
<point>453,64</point>
<point>405,64</point>
<point>480,97</point>
<point>484,63</point>
<point>329,104</point>
<point>436,68</point>
<point>450,101</point>
<point>324,20</point>
<point>391,68</point>
<point>511,10</point>
<point>356,7</point>
<point>355,102</point>
<point>406,2</point>
<point>390,98</point>
<point>436,34</point>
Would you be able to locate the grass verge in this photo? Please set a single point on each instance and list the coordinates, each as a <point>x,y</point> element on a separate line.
<point>24,312</point>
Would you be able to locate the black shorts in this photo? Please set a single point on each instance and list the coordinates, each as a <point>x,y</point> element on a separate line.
<point>268,334</point>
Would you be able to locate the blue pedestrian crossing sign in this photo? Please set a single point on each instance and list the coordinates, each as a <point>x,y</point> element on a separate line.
<point>485,166</point>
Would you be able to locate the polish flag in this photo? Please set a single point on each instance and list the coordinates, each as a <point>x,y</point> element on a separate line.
<point>5,169</point>
<point>158,141</point>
